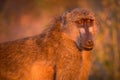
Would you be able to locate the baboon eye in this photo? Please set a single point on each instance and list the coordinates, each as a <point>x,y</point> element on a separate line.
<point>79,21</point>
<point>88,21</point>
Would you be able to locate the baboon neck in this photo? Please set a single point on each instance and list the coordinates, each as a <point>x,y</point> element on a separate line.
<point>87,55</point>
<point>67,42</point>
<point>87,59</point>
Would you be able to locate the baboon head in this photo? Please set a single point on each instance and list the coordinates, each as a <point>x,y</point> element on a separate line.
<point>80,25</point>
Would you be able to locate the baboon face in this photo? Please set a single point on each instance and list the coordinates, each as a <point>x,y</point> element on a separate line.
<point>79,25</point>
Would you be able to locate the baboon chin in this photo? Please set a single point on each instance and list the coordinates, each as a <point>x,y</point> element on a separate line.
<point>60,52</point>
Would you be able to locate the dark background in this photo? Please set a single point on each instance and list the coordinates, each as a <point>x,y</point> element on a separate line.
<point>21,18</point>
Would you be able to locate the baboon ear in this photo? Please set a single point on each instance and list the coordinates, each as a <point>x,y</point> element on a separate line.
<point>65,17</point>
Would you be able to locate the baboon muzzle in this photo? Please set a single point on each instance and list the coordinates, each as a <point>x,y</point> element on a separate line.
<point>89,44</point>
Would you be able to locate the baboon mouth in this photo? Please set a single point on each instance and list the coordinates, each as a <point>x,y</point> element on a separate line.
<point>88,47</point>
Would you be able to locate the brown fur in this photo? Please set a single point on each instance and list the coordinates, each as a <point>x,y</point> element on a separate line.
<point>52,55</point>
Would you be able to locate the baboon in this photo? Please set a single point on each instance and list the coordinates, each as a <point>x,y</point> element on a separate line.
<point>63,51</point>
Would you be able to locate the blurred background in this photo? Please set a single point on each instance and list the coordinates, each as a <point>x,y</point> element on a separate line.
<point>21,18</point>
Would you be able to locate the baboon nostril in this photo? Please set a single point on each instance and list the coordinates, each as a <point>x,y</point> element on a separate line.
<point>90,42</point>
